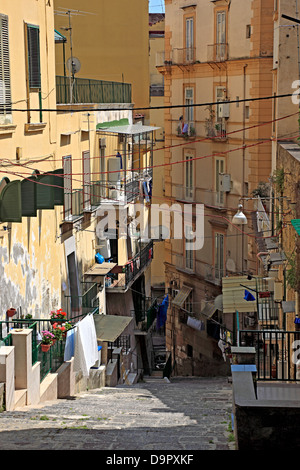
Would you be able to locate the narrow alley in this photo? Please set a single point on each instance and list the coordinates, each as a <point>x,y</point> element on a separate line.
<point>185,414</point>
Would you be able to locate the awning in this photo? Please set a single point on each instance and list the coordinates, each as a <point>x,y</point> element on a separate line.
<point>110,327</point>
<point>182,296</point>
<point>233,290</point>
<point>209,309</point>
<point>296,224</point>
<point>100,269</point>
<point>58,37</point>
<point>130,129</point>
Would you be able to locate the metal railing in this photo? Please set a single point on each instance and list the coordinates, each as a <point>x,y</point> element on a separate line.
<point>217,52</point>
<point>276,357</point>
<point>147,314</point>
<point>182,56</point>
<point>85,90</point>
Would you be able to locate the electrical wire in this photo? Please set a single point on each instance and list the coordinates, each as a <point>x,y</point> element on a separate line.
<point>176,106</point>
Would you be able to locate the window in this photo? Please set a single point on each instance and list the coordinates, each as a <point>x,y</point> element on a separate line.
<point>189,254</point>
<point>189,101</point>
<point>86,180</point>
<point>221,35</point>
<point>67,168</point>
<point>189,39</point>
<point>33,55</point>
<point>248,31</point>
<point>5,89</point>
<point>188,177</point>
<point>219,255</point>
<point>219,169</point>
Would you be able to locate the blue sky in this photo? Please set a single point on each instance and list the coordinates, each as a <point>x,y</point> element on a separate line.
<point>156,6</point>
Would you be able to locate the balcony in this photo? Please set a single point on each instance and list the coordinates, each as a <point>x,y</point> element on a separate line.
<point>214,274</point>
<point>184,56</point>
<point>91,91</point>
<point>122,277</point>
<point>217,52</point>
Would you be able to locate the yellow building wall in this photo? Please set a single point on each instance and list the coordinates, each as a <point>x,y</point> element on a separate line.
<point>111,41</point>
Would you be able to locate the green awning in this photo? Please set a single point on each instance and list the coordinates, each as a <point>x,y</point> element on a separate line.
<point>11,202</point>
<point>110,327</point>
<point>296,225</point>
<point>120,122</point>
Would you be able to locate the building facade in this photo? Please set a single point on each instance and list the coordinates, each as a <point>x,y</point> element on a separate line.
<point>219,53</point>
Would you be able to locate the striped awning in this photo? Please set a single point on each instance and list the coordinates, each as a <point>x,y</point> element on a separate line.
<point>182,296</point>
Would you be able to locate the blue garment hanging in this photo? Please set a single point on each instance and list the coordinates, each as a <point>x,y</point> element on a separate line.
<point>120,157</point>
<point>162,312</point>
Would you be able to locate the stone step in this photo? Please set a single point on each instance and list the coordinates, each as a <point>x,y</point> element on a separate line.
<point>20,398</point>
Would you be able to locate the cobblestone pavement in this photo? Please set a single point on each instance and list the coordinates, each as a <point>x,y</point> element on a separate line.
<point>185,414</point>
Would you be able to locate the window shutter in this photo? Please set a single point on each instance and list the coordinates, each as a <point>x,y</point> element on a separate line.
<point>33,39</point>
<point>58,182</point>
<point>11,202</point>
<point>86,180</point>
<point>28,191</point>
<point>5,88</point>
<point>45,191</point>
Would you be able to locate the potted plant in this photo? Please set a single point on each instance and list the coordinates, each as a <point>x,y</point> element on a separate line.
<point>11,312</point>
<point>57,315</point>
<point>47,339</point>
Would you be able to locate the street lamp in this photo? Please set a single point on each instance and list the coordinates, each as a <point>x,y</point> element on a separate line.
<point>239,218</point>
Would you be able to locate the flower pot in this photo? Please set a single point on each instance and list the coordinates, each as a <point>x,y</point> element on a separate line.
<point>11,312</point>
<point>45,347</point>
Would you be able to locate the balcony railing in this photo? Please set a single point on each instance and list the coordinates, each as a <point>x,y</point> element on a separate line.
<point>217,52</point>
<point>91,91</point>
<point>125,275</point>
<point>184,56</point>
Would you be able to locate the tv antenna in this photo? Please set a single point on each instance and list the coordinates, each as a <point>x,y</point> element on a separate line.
<point>73,64</point>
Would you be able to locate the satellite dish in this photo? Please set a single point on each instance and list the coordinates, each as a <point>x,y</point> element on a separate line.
<point>230,265</point>
<point>219,302</point>
<point>73,65</point>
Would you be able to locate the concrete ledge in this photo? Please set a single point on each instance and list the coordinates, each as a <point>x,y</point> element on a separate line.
<point>261,424</point>
<point>48,388</point>
<point>20,398</point>
<point>111,378</point>
<point>66,380</point>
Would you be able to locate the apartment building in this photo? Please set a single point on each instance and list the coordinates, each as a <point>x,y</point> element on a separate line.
<point>63,163</point>
<point>110,40</point>
<point>218,54</point>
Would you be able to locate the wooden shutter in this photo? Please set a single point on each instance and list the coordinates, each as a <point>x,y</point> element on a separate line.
<point>33,41</point>
<point>5,87</point>
<point>28,191</point>
<point>45,191</point>
<point>11,202</point>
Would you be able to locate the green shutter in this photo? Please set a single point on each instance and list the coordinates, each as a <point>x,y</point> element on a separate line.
<point>11,202</point>
<point>28,190</point>
<point>45,191</point>
<point>34,68</point>
<point>59,187</point>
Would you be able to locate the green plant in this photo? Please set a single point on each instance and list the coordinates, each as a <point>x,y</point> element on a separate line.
<point>58,314</point>
<point>291,273</point>
<point>262,190</point>
<point>47,337</point>
<point>278,179</point>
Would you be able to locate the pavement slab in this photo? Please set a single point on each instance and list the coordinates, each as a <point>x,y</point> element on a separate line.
<point>188,413</point>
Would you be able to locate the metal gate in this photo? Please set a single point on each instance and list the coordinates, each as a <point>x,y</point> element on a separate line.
<point>277,353</point>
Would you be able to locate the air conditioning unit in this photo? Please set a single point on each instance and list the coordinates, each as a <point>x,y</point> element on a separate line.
<point>225,182</point>
<point>223,109</point>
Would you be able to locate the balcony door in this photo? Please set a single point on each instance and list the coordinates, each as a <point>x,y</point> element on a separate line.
<point>189,39</point>
<point>221,35</point>
<point>219,255</point>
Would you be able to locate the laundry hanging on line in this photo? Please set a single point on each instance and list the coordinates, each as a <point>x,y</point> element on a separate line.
<point>81,343</point>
